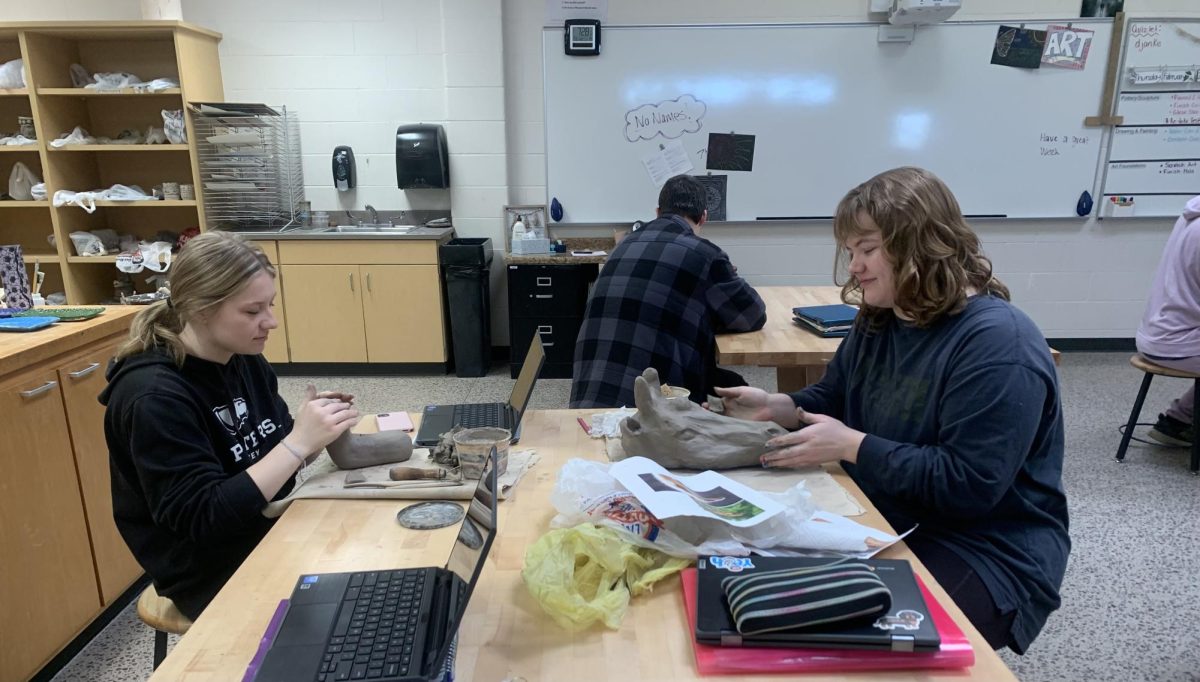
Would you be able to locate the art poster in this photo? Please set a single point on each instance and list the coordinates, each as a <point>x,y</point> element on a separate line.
<point>1018,47</point>
<point>730,152</point>
<point>1067,47</point>
<point>715,193</point>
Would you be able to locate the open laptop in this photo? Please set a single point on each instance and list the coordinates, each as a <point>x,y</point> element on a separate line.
<point>388,625</point>
<point>438,419</point>
<point>908,626</point>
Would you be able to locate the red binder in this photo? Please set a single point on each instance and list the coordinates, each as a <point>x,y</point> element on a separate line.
<point>955,651</point>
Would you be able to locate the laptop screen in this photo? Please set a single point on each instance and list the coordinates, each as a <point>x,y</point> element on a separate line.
<point>523,388</point>
<point>478,527</point>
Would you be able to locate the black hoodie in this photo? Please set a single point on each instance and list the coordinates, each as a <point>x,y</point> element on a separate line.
<point>180,440</point>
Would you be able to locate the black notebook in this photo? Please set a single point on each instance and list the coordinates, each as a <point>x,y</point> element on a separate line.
<point>908,625</point>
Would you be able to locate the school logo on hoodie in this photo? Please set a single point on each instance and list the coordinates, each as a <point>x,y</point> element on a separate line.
<point>233,419</point>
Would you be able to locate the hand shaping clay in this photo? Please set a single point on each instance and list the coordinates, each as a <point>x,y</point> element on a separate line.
<point>678,433</point>
<point>358,450</point>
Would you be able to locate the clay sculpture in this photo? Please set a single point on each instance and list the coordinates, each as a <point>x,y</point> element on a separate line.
<point>679,434</point>
<point>357,450</point>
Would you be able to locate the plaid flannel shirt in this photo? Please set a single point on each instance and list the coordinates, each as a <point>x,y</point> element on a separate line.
<point>660,300</point>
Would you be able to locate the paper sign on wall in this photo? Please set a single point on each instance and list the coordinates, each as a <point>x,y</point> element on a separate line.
<point>1019,47</point>
<point>669,160</point>
<point>558,11</point>
<point>1067,47</point>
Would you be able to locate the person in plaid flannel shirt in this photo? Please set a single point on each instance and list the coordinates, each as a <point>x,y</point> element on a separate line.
<point>660,300</point>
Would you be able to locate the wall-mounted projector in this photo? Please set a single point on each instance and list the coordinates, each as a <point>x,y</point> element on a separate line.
<point>919,12</point>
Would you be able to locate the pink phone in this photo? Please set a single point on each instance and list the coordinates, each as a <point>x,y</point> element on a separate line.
<point>394,421</point>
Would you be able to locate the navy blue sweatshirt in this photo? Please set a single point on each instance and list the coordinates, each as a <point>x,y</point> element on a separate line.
<point>180,440</point>
<point>965,437</point>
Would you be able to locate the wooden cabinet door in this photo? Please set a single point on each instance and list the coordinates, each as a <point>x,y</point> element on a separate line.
<point>276,349</point>
<point>81,381</point>
<point>324,312</point>
<point>48,592</point>
<point>402,309</point>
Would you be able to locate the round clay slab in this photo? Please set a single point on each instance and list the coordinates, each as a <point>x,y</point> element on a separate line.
<point>430,515</point>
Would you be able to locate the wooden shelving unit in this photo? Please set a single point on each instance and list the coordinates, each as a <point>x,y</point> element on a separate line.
<point>150,49</point>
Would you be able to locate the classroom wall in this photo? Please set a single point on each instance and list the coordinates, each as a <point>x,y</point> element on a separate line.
<point>1075,278</point>
<point>354,69</point>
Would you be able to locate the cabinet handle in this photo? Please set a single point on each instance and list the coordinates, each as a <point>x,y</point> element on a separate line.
<point>351,281</point>
<point>84,372</point>
<point>34,392</point>
<point>543,281</point>
<point>543,295</point>
<point>547,345</point>
<point>545,329</point>
<point>368,282</point>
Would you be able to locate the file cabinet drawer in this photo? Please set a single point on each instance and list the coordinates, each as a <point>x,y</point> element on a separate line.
<point>548,290</point>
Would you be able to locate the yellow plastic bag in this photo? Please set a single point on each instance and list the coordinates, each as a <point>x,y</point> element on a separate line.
<point>584,574</point>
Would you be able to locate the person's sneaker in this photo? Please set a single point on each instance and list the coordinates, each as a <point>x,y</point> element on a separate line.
<point>1170,431</point>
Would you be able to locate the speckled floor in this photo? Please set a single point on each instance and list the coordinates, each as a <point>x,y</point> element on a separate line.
<point>1131,590</point>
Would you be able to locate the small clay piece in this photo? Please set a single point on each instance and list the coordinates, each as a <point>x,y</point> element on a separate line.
<point>679,434</point>
<point>430,515</point>
<point>716,405</point>
<point>358,450</point>
<point>443,453</point>
<point>415,474</point>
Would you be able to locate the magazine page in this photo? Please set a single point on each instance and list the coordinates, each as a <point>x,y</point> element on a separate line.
<point>707,494</point>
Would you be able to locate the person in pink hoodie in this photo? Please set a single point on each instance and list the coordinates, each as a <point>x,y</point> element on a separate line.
<point>1170,330</point>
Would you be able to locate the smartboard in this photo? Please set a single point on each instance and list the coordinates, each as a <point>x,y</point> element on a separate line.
<point>828,106</point>
<point>1153,163</point>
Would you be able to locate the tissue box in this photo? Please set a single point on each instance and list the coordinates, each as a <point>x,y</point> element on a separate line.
<point>524,247</point>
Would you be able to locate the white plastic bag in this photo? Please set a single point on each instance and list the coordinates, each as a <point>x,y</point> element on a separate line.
<point>79,76</point>
<point>113,81</point>
<point>12,74</point>
<point>155,136</point>
<point>21,182</point>
<point>38,191</point>
<point>76,136</point>
<point>173,126</point>
<point>86,243</point>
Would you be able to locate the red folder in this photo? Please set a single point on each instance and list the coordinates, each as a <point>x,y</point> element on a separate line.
<point>955,651</point>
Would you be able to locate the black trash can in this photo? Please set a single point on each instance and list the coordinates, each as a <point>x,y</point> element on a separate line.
<point>466,265</point>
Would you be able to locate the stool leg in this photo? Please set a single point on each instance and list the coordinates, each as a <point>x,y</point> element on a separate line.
<point>1195,464</point>
<point>160,647</point>
<point>1133,416</point>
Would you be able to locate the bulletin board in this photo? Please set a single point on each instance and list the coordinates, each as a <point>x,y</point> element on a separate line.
<point>803,112</point>
<point>1153,162</point>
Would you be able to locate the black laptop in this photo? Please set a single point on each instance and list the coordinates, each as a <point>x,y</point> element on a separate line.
<point>438,419</point>
<point>384,626</point>
<point>908,626</point>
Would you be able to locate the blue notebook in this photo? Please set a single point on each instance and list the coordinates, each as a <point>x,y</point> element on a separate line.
<point>837,315</point>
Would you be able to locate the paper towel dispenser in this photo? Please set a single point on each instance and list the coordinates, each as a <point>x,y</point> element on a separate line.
<point>422,160</point>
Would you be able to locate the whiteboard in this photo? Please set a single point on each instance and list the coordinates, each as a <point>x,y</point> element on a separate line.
<point>829,107</point>
<point>1154,154</point>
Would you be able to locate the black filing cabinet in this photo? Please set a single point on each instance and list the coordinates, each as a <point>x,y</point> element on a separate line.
<point>548,300</point>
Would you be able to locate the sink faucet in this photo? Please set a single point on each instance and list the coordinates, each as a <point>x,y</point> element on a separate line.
<point>374,214</point>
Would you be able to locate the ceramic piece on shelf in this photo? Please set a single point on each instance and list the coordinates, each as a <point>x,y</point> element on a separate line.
<point>64,314</point>
<point>26,324</point>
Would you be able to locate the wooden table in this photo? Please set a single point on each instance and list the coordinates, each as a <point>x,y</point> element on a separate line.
<point>505,632</point>
<point>798,355</point>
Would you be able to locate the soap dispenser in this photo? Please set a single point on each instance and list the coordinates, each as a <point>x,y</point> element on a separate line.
<point>343,168</point>
<point>518,230</point>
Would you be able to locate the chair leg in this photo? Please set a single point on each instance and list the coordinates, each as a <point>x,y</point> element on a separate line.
<point>160,647</point>
<point>1195,463</point>
<point>1133,416</point>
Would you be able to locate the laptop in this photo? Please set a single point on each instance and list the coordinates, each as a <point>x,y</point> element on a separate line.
<point>908,625</point>
<point>388,625</point>
<point>438,419</point>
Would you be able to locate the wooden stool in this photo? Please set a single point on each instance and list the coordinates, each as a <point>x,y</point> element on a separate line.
<point>161,614</point>
<point>1151,369</point>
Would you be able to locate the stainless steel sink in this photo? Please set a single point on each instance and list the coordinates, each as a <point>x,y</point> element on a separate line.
<point>366,228</point>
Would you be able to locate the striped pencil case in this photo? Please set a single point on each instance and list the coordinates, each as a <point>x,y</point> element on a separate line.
<point>770,601</point>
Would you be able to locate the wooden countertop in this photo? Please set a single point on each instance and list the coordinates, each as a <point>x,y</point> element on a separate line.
<point>21,350</point>
<point>504,631</point>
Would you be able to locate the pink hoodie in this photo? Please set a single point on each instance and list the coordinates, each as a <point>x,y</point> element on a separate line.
<point>1171,326</point>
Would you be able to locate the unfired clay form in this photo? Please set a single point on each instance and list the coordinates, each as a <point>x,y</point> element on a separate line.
<point>358,450</point>
<point>678,433</point>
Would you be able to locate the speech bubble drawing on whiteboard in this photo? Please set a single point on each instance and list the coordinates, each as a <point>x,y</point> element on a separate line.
<point>671,119</point>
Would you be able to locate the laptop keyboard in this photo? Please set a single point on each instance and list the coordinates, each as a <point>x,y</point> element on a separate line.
<point>376,626</point>
<point>478,414</point>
